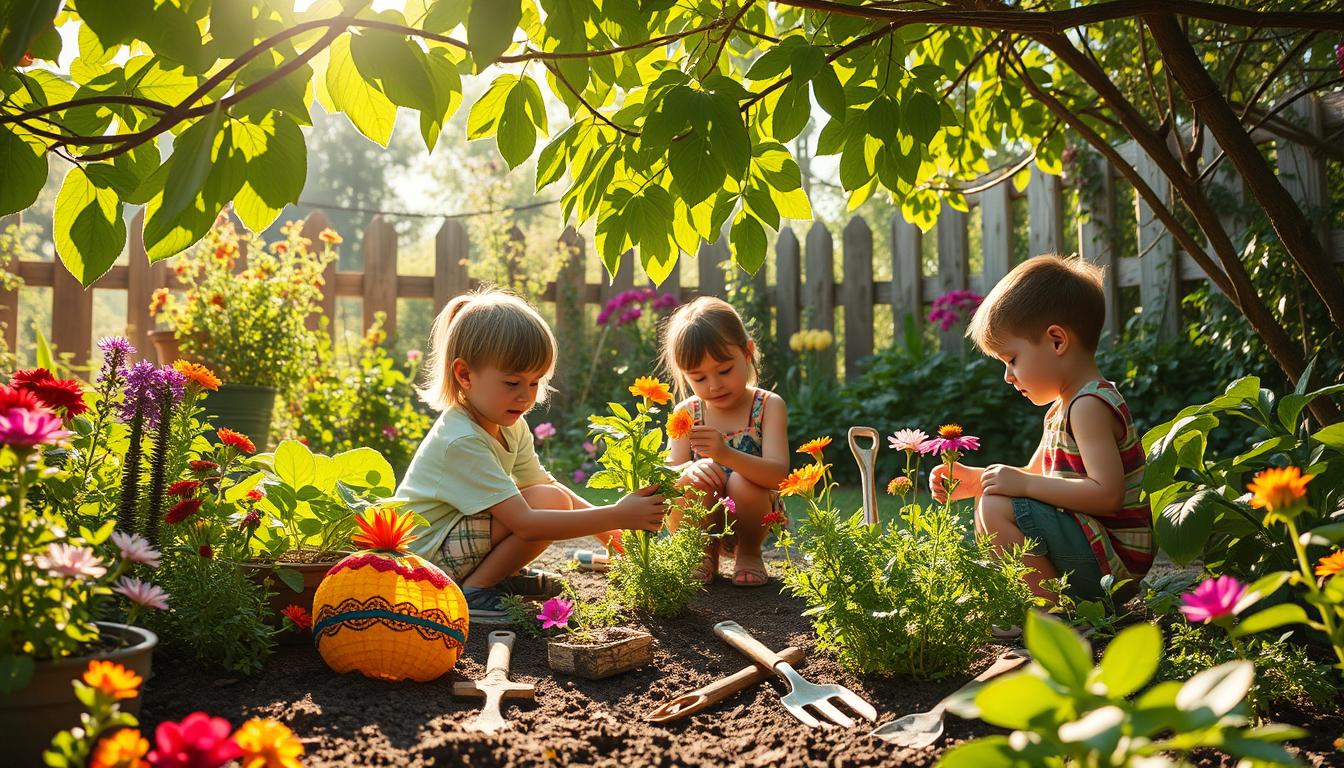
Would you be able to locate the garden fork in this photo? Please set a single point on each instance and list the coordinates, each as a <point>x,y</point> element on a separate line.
<point>802,694</point>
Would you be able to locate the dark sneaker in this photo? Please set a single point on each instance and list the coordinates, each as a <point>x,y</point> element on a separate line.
<point>533,582</point>
<point>486,607</point>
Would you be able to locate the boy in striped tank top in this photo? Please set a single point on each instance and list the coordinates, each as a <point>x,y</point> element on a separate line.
<point>1077,500</point>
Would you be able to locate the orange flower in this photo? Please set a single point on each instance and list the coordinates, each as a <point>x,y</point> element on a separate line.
<point>280,247</point>
<point>268,743</point>
<point>330,237</point>
<point>198,374</point>
<point>158,301</point>
<point>815,446</point>
<point>237,440</point>
<point>950,431</point>
<point>1331,564</point>
<point>124,749</point>
<point>679,424</point>
<point>801,481</point>
<point>112,679</point>
<point>383,528</point>
<point>652,389</point>
<point>900,486</point>
<point>1278,490</point>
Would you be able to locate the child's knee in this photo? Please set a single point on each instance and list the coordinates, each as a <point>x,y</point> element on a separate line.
<point>743,491</point>
<point>994,514</point>
<point>546,496</point>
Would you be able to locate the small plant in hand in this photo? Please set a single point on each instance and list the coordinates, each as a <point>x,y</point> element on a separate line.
<point>917,596</point>
<point>657,572</point>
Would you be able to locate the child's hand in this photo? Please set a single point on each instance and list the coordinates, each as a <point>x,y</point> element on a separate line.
<point>708,442</point>
<point>1003,480</point>
<point>705,475</point>
<point>968,482</point>
<point>641,510</point>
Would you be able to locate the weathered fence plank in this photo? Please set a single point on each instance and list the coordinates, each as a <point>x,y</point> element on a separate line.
<point>1096,242</point>
<point>9,298</point>
<point>788,279</point>
<point>907,278</point>
<point>1045,213</point>
<point>996,229</point>
<point>139,286</point>
<point>819,289</point>
<point>857,294</point>
<point>1158,282</point>
<point>710,258</point>
<point>71,316</point>
<point>380,274</point>
<point>452,250</point>
<point>954,265</point>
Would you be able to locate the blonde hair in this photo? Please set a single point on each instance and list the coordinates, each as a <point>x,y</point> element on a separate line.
<point>488,328</point>
<point>705,326</point>
<point>1041,292</point>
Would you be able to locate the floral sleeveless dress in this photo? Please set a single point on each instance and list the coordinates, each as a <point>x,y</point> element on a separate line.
<point>747,440</point>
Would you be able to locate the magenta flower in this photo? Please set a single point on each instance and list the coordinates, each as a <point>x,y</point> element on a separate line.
<point>135,548</point>
<point>199,741</point>
<point>544,431</point>
<point>580,475</point>
<point>390,432</point>
<point>950,439</point>
<point>142,593</point>
<point>71,562</point>
<point>907,440</point>
<point>1213,600</point>
<point>555,613</point>
<point>729,504</point>
<point>27,427</point>
<point>413,356</point>
<point>589,448</point>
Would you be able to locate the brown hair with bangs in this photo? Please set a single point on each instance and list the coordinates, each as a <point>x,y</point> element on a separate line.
<point>489,328</point>
<point>1041,292</point>
<point>704,326</point>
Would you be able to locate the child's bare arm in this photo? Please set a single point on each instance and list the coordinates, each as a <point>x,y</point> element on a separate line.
<point>642,510</point>
<point>1100,493</point>
<point>770,468</point>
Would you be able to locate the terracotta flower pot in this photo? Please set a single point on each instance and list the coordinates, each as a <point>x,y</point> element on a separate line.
<point>312,575</point>
<point>613,651</point>
<point>166,346</point>
<point>29,718</point>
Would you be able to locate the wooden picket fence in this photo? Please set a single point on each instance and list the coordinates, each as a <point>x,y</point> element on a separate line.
<point>804,271</point>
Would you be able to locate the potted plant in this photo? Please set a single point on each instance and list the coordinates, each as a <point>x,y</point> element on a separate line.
<point>57,577</point>
<point>305,506</point>
<point>250,325</point>
<point>584,637</point>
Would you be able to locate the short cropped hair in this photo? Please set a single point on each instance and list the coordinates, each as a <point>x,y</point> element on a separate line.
<point>486,328</point>
<point>1041,292</point>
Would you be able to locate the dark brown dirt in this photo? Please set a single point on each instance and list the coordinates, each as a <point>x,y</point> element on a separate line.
<point>347,720</point>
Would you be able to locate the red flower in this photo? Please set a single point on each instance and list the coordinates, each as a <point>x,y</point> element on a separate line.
<point>184,488</point>
<point>182,510</point>
<point>64,396</point>
<point>27,378</point>
<point>204,466</point>
<point>236,440</point>
<point>251,521</point>
<point>301,618</point>
<point>255,495</point>
<point>774,518</point>
<point>206,552</point>
<point>13,397</point>
<point>199,741</point>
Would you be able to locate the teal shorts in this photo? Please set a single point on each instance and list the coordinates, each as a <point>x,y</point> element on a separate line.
<point>1057,535</point>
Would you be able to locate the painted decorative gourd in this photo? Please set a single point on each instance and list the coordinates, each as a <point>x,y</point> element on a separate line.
<point>386,613</point>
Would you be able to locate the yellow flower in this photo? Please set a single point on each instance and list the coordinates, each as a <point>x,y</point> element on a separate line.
<point>1279,491</point>
<point>950,431</point>
<point>330,237</point>
<point>268,743</point>
<point>1331,564</point>
<point>124,749</point>
<point>112,679</point>
<point>814,447</point>
<point>679,424</point>
<point>797,340</point>
<point>651,388</point>
<point>802,481</point>
<point>198,374</point>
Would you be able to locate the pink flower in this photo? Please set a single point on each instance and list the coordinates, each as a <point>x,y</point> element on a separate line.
<point>589,448</point>
<point>544,431</point>
<point>135,548</point>
<point>199,741</point>
<point>950,439</point>
<point>413,356</point>
<point>390,432</point>
<point>25,428</point>
<point>1212,600</point>
<point>142,593</point>
<point>555,613</point>
<point>729,504</point>
<point>580,475</point>
<point>908,440</point>
<point>71,561</point>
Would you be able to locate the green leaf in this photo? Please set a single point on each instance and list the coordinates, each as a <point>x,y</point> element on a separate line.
<point>1215,692</point>
<point>1323,536</point>
<point>1184,526</point>
<point>483,120</point>
<point>1014,701</point>
<point>23,22</point>
<point>88,226</point>
<point>44,357</point>
<point>920,116</point>
<point>1332,436</point>
<point>606,479</point>
<point>748,241</point>
<point>294,464</point>
<point>396,65</point>
<point>1269,618</point>
<point>290,578</point>
<point>368,109</point>
<point>444,16</point>
<point>1259,589</point>
<point>447,96</point>
<point>830,94</point>
<point>1059,650</point>
<point>554,157</point>
<point>277,167</point>
<point>25,168</point>
<point>791,111</point>
<point>189,164</point>
<point>989,752</point>
<point>490,28</point>
<point>1290,406</point>
<point>524,112</point>
<point>1131,660</point>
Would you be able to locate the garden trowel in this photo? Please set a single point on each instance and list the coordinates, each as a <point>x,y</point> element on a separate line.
<point>495,686</point>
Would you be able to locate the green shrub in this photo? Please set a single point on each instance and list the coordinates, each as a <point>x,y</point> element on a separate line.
<point>1284,671</point>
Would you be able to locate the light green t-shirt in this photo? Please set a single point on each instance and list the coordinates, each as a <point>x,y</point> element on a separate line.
<point>460,470</point>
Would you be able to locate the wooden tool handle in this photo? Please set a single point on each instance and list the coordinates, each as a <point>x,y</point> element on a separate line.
<point>1005,663</point>
<point>867,461</point>
<point>707,696</point>
<point>739,638</point>
<point>501,647</point>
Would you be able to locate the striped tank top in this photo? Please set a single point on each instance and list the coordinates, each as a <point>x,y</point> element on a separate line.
<point>1122,541</point>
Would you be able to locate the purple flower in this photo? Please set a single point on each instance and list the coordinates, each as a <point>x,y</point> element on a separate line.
<point>665,302</point>
<point>729,504</point>
<point>146,385</point>
<point>629,316</point>
<point>555,613</point>
<point>25,428</point>
<point>115,351</point>
<point>390,432</point>
<point>603,316</point>
<point>544,431</point>
<point>1212,600</point>
<point>580,475</point>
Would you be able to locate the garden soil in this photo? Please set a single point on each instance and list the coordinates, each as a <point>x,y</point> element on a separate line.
<point>348,720</point>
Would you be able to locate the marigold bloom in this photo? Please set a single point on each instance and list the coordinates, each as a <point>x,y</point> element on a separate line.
<point>124,749</point>
<point>815,446</point>
<point>198,374</point>
<point>236,440</point>
<point>112,679</point>
<point>330,236</point>
<point>775,517</point>
<point>801,481</point>
<point>202,465</point>
<point>679,424</point>
<point>268,743</point>
<point>652,389</point>
<point>301,618</point>
<point>1331,564</point>
<point>1278,490</point>
<point>899,485</point>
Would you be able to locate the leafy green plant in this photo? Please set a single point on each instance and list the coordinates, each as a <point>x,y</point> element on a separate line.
<point>1199,509</point>
<point>570,615</point>
<point>1063,711</point>
<point>656,573</point>
<point>220,614</point>
<point>1285,671</point>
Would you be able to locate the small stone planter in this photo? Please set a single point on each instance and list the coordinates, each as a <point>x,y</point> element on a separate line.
<point>611,652</point>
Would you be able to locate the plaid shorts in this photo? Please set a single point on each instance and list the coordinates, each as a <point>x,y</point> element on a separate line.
<point>465,546</point>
